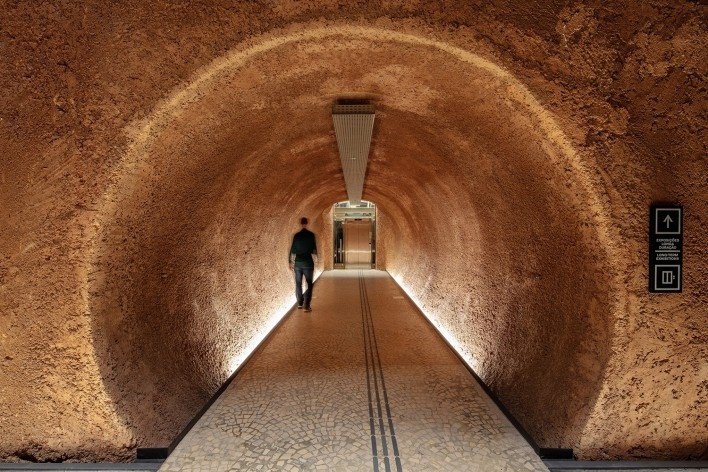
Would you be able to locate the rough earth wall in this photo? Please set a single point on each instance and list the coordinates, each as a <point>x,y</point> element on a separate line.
<point>156,157</point>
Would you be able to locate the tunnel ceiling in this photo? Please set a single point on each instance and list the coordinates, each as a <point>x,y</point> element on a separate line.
<point>159,156</point>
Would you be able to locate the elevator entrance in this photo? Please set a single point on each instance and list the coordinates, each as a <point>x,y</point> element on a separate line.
<point>357,244</point>
<point>354,235</point>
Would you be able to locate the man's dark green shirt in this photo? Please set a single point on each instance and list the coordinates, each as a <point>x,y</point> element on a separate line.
<point>303,247</point>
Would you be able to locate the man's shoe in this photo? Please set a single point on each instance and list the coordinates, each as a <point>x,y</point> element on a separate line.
<point>307,308</point>
<point>299,307</point>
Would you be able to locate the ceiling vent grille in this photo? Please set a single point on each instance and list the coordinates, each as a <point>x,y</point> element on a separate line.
<point>353,126</point>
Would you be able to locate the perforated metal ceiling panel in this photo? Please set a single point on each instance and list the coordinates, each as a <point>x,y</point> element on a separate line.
<point>353,125</point>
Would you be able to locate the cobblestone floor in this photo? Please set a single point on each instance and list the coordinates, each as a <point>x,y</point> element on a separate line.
<point>361,383</point>
<point>119,468</point>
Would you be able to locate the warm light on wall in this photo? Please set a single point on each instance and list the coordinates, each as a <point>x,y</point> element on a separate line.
<point>451,340</point>
<point>238,359</point>
<point>258,338</point>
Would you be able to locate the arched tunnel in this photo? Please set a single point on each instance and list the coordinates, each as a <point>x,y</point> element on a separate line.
<point>159,156</point>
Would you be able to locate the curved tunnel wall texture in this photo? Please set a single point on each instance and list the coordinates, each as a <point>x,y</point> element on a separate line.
<point>158,161</point>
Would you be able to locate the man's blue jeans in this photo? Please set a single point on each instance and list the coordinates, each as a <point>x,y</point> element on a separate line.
<point>303,298</point>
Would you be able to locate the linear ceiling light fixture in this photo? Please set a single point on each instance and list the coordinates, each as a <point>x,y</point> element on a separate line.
<point>353,125</point>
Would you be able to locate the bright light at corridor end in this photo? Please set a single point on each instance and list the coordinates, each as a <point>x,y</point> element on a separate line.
<point>451,340</point>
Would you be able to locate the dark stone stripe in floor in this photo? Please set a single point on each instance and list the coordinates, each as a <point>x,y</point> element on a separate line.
<point>378,371</point>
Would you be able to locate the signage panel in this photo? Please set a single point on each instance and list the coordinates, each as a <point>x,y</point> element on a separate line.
<point>665,248</point>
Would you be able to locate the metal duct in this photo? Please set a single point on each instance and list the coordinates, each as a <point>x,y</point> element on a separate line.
<point>353,125</point>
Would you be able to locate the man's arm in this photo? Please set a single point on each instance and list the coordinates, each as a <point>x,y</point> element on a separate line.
<point>314,248</point>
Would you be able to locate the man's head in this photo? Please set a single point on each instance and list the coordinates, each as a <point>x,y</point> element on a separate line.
<point>303,221</point>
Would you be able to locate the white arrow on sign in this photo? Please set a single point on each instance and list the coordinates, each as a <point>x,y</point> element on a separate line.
<point>668,221</point>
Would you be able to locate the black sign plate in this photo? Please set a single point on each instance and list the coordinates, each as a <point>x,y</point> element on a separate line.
<point>665,248</point>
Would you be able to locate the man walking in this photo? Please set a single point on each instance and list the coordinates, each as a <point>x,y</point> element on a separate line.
<point>300,259</point>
